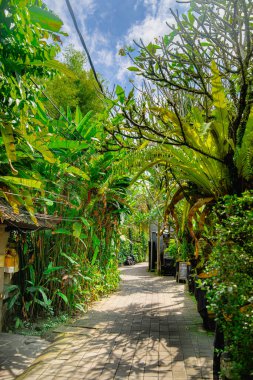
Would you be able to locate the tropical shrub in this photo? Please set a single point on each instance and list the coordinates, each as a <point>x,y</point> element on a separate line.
<point>80,90</point>
<point>230,295</point>
<point>140,248</point>
<point>52,282</point>
<point>136,245</point>
<point>185,249</point>
<point>195,116</point>
<point>58,161</point>
<point>28,46</point>
<point>172,249</point>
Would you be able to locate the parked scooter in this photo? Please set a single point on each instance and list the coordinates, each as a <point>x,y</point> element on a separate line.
<point>130,260</point>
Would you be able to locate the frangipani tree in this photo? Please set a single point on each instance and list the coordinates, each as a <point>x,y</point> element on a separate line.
<point>194,112</point>
<point>201,73</point>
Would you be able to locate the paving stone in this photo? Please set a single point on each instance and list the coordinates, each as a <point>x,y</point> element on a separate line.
<point>166,376</point>
<point>135,377</point>
<point>149,329</point>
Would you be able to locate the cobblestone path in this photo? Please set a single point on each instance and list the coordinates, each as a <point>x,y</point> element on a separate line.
<point>17,352</point>
<point>149,329</point>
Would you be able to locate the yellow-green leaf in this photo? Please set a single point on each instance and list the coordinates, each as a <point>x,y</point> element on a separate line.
<point>46,19</point>
<point>28,203</point>
<point>21,182</point>
<point>219,97</point>
<point>38,144</point>
<point>74,170</point>
<point>166,115</point>
<point>67,144</point>
<point>77,229</point>
<point>8,139</point>
<point>13,201</point>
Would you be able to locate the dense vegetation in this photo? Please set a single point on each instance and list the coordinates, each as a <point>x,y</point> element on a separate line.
<point>51,164</point>
<point>101,169</point>
<point>231,291</point>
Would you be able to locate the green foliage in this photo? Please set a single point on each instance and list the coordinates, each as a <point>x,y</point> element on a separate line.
<point>172,250</point>
<point>45,288</point>
<point>135,245</point>
<point>53,164</point>
<point>68,92</point>
<point>82,264</point>
<point>231,292</point>
<point>187,131</point>
<point>185,249</point>
<point>135,221</point>
<point>35,295</point>
<point>28,45</point>
<point>21,50</point>
<point>195,115</point>
<point>140,248</point>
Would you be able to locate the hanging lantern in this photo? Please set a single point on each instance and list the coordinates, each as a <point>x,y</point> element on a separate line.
<point>11,262</point>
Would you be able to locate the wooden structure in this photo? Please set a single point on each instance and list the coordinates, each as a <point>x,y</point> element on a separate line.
<point>157,245</point>
<point>11,221</point>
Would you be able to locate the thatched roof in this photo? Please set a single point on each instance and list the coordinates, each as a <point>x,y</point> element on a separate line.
<point>23,220</point>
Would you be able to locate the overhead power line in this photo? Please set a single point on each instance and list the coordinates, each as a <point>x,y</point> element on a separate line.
<point>84,45</point>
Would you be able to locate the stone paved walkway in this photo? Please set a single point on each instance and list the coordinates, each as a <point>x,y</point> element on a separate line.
<point>17,352</point>
<point>148,330</point>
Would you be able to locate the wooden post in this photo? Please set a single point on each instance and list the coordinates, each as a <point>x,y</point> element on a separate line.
<point>3,243</point>
<point>158,249</point>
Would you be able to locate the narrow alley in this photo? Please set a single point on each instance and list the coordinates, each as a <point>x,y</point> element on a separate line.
<point>149,329</point>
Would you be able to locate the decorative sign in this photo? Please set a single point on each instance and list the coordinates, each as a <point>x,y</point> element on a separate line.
<point>182,271</point>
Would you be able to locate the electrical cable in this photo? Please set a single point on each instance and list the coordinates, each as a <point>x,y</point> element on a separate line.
<point>58,110</point>
<point>84,45</point>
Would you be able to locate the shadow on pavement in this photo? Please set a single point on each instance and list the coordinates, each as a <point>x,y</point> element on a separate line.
<point>149,329</point>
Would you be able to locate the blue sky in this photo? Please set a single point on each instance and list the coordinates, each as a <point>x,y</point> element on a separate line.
<point>108,25</point>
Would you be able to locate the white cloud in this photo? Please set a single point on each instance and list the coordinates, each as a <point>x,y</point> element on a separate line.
<point>104,57</point>
<point>99,44</point>
<point>60,8</point>
<point>154,24</point>
<point>122,64</point>
<point>96,41</point>
<point>148,29</point>
<point>152,6</point>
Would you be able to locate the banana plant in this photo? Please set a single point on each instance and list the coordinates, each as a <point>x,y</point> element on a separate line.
<point>30,36</point>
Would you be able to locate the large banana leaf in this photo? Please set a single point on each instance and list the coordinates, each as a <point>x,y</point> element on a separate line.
<point>73,145</point>
<point>8,139</point>
<point>29,205</point>
<point>36,142</point>
<point>244,153</point>
<point>83,125</point>
<point>46,19</point>
<point>12,200</point>
<point>221,123</point>
<point>19,197</point>
<point>31,183</point>
<point>74,170</point>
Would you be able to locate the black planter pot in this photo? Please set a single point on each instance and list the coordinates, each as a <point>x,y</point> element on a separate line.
<point>200,295</point>
<point>218,346</point>
<point>168,267</point>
